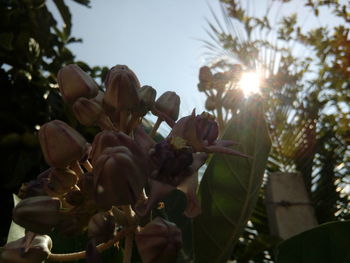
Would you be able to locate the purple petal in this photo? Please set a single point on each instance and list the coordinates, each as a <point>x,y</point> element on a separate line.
<point>189,187</point>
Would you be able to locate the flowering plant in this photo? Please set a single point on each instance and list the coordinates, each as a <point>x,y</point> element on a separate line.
<point>108,188</point>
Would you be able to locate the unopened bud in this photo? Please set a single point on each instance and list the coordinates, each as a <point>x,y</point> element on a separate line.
<point>147,96</point>
<point>35,187</point>
<point>159,241</point>
<point>210,103</point>
<point>169,104</point>
<point>74,83</point>
<point>101,141</point>
<point>62,180</point>
<point>205,74</point>
<point>87,112</point>
<point>219,81</point>
<point>121,89</point>
<point>101,227</point>
<point>37,214</point>
<point>118,179</point>
<point>61,144</point>
<point>37,251</point>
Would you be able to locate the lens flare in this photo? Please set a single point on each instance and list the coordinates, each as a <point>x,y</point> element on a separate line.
<point>250,83</point>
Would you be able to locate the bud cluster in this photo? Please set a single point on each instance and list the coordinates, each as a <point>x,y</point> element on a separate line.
<point>221,89</point>
<point>114,181</point>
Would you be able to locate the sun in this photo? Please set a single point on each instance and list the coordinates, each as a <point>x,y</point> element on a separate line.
<point>250,83</point>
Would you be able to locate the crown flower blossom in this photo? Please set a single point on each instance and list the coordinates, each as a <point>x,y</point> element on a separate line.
<point>201,132</point>
<point>111,186</point>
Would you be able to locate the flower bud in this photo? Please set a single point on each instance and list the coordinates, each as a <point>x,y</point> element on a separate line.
<point>219,81</point>
<point>169,104</point>
<point>35,187</point>
<point>101,227</point>
<point>37,214</point>
<point>159,242</point>
<point>118,180</point>
<point>74,83</point>
<point>210,103</point>
<point>37,252</point>
<point>147,96</point>
<point>87,112</point>
<point>61,144</point>
<point>101,141</point>
<point>121,89</point>
<point>62,180</point>
<point>205,74</point>
<point>106,139</point>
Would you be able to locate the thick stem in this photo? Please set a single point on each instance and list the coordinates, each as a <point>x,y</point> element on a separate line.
<point>129,235</point>
<point>155,127</point>
<point>128,247</point>
<point>82,254</point>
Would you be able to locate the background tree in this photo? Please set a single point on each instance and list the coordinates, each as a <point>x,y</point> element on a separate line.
<point>306,97</point>
<point>32,50</point>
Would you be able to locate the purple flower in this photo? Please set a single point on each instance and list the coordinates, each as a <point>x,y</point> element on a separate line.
<point>201,132</point>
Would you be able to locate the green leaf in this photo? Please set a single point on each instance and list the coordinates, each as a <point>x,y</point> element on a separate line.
<point>16,231</point>
<point>326,243</point>
<point>229,189</point>
<point>65,14</point>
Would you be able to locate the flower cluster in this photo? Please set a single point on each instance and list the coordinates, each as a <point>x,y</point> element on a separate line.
<point>100,186</point>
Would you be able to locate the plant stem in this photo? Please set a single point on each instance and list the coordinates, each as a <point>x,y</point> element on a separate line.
<point>82,254</point>
<point>155,127</point>
<point>129,235</point>
<point>128,247</point>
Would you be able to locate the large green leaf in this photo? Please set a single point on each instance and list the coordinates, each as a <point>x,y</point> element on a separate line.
<point>326,243</point>
<point>229,189</point>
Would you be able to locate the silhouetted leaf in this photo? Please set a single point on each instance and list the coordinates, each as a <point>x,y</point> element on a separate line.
<point>323,244</point>
<point>230,186</point>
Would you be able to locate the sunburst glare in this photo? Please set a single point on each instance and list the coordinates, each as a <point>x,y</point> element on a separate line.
<point>250,83</point>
